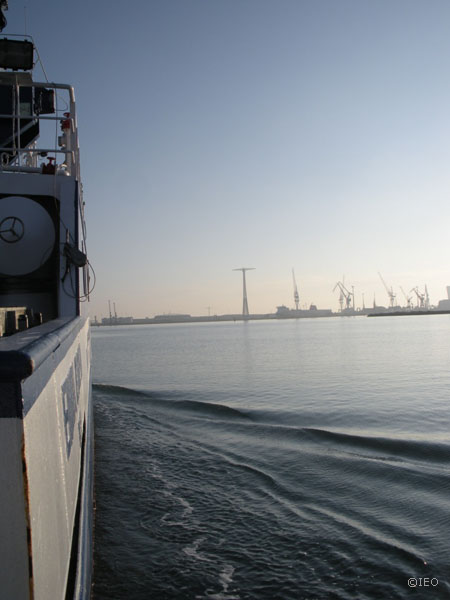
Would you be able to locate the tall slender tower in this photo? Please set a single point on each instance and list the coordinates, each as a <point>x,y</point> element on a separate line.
<point>296,296</point>
<point>245,312</point>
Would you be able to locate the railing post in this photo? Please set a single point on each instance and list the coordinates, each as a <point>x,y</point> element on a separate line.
<point>70,150</point>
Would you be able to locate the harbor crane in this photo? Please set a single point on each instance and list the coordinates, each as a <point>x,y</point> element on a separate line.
<point>420,297</point>
<point>423,300</point>
<point>296,296</point>
<point>344,294</point>
<point>407,298</point>
<point>390,292</point>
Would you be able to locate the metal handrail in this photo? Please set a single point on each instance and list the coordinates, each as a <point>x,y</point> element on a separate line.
<point>71,150</point>
<point>38,150</point>
<point>40,117</point>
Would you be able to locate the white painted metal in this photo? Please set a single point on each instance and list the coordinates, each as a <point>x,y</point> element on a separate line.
<point>53,475</point>
<point>25,250</point>
<point>64,190</point>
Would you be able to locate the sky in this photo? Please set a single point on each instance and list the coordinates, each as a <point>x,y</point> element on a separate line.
<point>274,134</point>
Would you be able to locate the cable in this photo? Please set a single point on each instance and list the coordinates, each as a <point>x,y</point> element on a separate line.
<point>80,297</point>
<point>39,60</point>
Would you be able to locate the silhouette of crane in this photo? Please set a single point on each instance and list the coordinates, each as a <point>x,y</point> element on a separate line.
<point>345,294</point>
<point>389,292</point>
<point>423,300</point>
<point>407,298</point>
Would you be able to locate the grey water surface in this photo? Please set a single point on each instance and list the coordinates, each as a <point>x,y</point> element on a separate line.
<point>264,460</point>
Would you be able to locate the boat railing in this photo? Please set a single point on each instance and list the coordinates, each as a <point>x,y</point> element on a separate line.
<point>58,135</point>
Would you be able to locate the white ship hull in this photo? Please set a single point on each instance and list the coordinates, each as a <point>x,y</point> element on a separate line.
<point>46,445</point>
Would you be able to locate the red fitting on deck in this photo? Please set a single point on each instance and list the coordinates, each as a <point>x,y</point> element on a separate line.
<point>49,168</point>
<point>66,123</point>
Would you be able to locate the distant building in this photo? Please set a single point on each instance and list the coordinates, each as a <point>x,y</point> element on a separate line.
<point>445,304</point>
<point>171,318</point>
<point>283,312</point>
<point>117,321</point>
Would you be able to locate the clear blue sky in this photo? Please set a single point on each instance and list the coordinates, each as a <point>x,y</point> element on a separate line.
<point>280,134</point>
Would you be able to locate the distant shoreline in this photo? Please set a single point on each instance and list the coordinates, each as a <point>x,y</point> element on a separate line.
<point>205,319</point>
<point>306,314</point>
<point>399,313</point>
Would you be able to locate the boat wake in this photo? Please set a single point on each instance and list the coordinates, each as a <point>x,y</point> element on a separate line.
<point>233,503</point>
<point>272,425</point>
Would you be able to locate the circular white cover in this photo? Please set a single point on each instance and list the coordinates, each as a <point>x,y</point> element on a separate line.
<point>27,235</point>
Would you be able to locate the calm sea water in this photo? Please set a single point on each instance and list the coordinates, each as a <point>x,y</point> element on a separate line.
<point>299,459</point>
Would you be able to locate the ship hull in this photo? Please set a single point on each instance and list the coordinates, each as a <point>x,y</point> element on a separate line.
<point>46,448</point>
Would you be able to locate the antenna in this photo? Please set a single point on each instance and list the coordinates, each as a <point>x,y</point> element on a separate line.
<point>245,312</point>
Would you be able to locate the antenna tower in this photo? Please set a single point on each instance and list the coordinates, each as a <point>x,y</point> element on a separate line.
<point>245,312</point>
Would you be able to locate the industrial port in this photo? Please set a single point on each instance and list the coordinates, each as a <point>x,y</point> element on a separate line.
<point>415,302</point>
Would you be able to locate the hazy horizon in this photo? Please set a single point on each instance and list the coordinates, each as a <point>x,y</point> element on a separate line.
<point>362,301</point>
